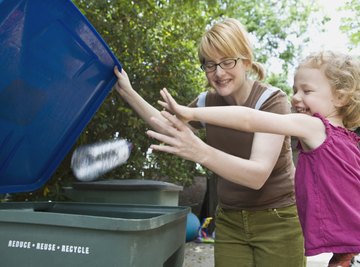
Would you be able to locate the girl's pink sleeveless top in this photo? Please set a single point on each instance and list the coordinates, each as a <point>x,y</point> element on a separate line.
<point>327,188</point>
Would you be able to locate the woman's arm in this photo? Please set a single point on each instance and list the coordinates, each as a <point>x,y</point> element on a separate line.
<point>137,103</point>
<point>252,173</point>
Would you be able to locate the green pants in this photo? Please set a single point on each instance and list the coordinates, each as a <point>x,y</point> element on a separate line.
<point>262,238</point>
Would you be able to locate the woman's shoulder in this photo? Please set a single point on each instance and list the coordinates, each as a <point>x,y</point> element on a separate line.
<point>272,99</point>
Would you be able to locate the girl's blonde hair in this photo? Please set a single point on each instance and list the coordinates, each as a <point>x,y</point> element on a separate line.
<point>230,39</point>
<point>343,73</point>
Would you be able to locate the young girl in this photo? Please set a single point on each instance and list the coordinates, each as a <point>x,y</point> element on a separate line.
<point>327,180</point>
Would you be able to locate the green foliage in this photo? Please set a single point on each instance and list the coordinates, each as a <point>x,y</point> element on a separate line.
<point>153,41</point>
<point>156,41</point>
<point>274,24</point>
<point>350,25</point>
<point>280,81</point>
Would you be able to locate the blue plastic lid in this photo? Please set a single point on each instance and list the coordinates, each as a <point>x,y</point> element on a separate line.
<point>55,73</point>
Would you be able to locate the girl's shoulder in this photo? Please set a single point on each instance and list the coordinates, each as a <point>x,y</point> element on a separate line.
<point>337,131</point>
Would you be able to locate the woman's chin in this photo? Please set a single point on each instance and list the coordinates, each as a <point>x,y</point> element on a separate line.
<point>224,91</point>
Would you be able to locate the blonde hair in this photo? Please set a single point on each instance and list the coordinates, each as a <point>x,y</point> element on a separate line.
<point>230,39</point>
<point>343,73</point>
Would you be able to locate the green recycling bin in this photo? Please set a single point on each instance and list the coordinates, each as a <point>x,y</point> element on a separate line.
<point>91,234</point>
<point>127,191</point>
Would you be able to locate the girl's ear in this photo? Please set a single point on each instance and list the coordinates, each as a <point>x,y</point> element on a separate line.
<point>339,100</point>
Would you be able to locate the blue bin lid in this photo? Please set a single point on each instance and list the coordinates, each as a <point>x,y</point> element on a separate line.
<point>56,71</point>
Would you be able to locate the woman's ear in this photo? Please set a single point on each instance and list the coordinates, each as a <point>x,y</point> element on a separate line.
<point>246,64</point>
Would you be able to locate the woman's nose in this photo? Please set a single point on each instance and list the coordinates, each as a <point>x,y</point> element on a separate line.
<point>219,71</point>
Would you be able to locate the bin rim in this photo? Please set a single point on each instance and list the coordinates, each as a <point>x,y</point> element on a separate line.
<point>73,214</point>
<point>127,185</point>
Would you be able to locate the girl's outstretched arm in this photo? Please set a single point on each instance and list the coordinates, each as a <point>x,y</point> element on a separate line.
<point>309,129</point>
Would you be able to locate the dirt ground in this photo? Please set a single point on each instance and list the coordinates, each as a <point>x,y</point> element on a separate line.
<point>202,255</point>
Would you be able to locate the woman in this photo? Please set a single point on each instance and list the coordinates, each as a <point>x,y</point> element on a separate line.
<point>256,218</point>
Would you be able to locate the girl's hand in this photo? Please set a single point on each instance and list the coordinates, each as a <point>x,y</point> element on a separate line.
<point>177,138</point>
<point>184,113</point>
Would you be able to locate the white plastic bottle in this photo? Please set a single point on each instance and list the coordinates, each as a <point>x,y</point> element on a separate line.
<point>88,162</point>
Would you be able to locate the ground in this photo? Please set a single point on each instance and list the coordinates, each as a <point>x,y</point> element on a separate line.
<point>201,255</point>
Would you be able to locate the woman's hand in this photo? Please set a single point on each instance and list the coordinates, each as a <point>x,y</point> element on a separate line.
<point>183,113</point>
<point>136,101</point>
<point>178,139</point>
<point>123,84</point>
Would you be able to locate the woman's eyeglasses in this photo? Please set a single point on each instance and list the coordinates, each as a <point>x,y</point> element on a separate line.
<point>225,65</point>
